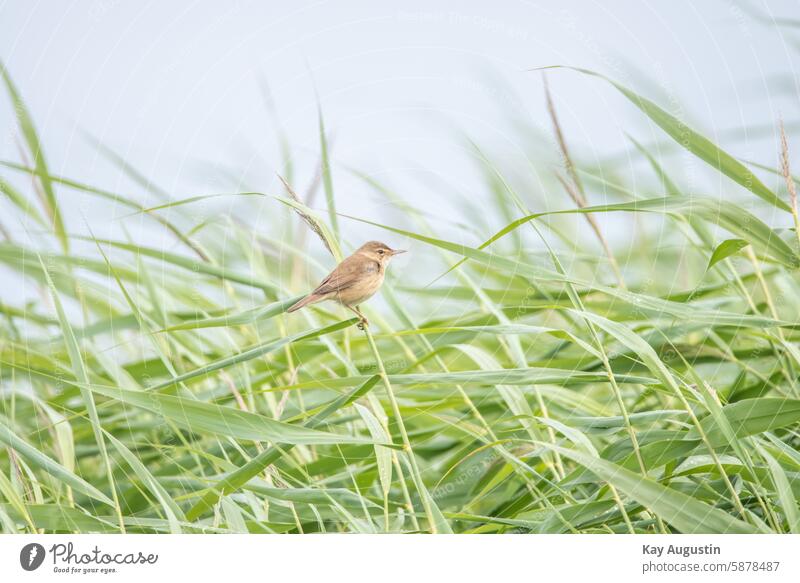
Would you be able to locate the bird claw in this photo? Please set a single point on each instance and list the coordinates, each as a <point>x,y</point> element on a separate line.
<point>363,323</point>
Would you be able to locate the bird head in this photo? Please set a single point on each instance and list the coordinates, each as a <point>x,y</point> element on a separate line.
<point>378,251</point>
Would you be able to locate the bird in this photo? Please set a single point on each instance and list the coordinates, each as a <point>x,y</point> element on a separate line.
<point>356,279</point>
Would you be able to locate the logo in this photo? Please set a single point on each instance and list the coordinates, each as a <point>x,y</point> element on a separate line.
<point>67,559</point>
<point>31,556</point>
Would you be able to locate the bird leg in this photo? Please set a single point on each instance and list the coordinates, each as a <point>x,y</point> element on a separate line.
<point>362,322</point>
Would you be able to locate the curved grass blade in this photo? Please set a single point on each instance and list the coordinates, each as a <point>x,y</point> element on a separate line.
<point>117,199</point>
<point>171,508</point>
<point>238,478</point>
<point>319,226</point>
<point>57,518</point>
<point>327,180</point>
<point>724,250</point>
<point>81,374</point>
<point>253,352</point>
<point>187,263</point>
<point>383,455</point>
<point>507,376</point>
<point>240,319</point>
<point>34,146</point>
<point>750,417</point>
<point>21,202</point>
<point>200,417</point>
<point>190,200</point>
<point>49,465</point>
<point>783,491</point>
<point>653,306</point>
<point>687,514</point>
<point>693,141</point>
<point>669,186</point>
<point>322,497</point>
<point>727,215</point>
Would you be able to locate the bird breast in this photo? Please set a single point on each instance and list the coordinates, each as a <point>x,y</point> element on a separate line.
<point>364,288</point>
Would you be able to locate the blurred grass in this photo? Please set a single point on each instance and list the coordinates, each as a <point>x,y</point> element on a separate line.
<point>148,390</point>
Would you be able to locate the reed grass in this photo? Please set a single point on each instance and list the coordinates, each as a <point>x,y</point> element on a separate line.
<point>546,381</point>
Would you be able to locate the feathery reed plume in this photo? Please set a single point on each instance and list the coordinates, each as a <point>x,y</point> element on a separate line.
<point>787,176</point>
<point>308,219</point>
<point>575,190</point>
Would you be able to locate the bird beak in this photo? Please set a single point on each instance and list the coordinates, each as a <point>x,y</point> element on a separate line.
<point>398,251</point>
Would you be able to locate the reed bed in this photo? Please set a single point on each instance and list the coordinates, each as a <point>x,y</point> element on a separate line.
<point>550,380</point>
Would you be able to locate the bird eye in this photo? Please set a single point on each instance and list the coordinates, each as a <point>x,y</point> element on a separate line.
<point>380,251</point>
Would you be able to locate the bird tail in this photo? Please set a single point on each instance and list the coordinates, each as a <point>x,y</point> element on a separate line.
<point>309,299</point>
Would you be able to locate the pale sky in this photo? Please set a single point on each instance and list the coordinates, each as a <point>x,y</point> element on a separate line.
<point>173,87</point>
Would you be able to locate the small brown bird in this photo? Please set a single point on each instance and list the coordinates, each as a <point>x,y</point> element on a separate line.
<point>355,279</point>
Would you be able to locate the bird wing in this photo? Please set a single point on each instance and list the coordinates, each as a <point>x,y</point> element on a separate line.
<point>347,273</point>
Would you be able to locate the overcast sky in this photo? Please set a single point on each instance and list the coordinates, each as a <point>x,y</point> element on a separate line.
<point>175,87</point>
